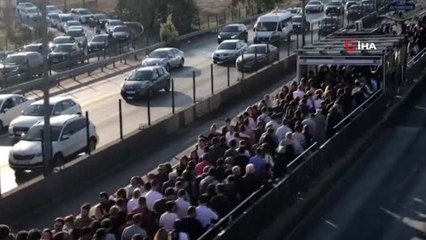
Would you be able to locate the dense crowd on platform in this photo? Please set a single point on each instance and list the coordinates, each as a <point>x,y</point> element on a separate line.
<point>227,165</point>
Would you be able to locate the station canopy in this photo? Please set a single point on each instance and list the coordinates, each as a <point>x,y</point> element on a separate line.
<point>332,49</point>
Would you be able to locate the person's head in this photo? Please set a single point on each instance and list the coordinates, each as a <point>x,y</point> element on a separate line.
<point>147,186</point>
<point>220,188</point>
<point>46,234</point>
<point>34,234</point>
<point>298,128</point>
<point>183,161</point>
<point>95,225</point>
<point>155,185</point>
<point>84,210</point>
<point>203,199</point>
<point>100,234</point>
<point>227,121</point>
<point>103,197</point>
<point>137,219</point>
<point>181,193</point>
<point>259,151</point>
<point>142,202</point>
<point>22,235</point>
<point>4,231</point>
<point>170,193</point>
<point>106,224</point>
<point>137,237</point>
<point>135,181</point>
<point>58,224</point>
<point>305,128</point>
<point>121,193</point>
<point>250,169</point>
<point>211,190</point>
<point>69,221</point>
<point>161,234</point>
<point>170,206</point>
<point>236,170</point>
<point>58,236</point>
<point>136,193</point>
<point>191,212</point>
<point>86,233</point>
<point>213,128</point>
<point>289,135</point>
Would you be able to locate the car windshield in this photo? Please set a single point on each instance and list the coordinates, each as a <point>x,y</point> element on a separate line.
<point>115,23</point>
<point>354,8</point>
<point>297,19</point>
<point>294,10</point>
<point>334,4</point>
<point>256,50</point>
<point>32,48</point>
<point>75,33</point>
<point>227,46</point>
<point>17,59</point>
<point>230,29</point>
<point>85,12</point>
<point>63,48</point>
<point>141,76</point>
<point>99,38</point>
<point>314,3</point>
<point>62,40</point>
<point>34,133</point>
<point>35,110</point>
<point>100,16</point>
<point>266,26</point>
<point>66,18</point>
<point>28,5</point>
<point>120,29</point>
<point>159,54</point>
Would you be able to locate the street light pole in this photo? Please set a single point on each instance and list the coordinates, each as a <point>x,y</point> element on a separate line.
<point>47,143</point>
<point>303,23</point>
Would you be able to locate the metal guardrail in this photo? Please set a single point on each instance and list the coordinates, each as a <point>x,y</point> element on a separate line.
<point>416,58</point>
<point>37,83</point>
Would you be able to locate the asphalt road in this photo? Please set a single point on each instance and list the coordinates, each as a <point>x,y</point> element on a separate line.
<point>101,99</point>
<point>384,198</point>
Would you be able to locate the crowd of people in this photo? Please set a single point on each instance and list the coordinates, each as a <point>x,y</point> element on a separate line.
<point>226,166</point>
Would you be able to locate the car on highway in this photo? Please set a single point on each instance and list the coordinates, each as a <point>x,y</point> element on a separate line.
<point>24,6</point>
<point>257,56</point>
<point>53,19</point>
<point>350,3</point>
<point>111,23</point>
<point>228,51</point>
<point>33,47</point>
<point>60,40</point>
<point>354,12</point>
<point>233,31</point>
<point>168,58</point>
<point>334,8</point>
<point>98,19</point>
<point>314,7</point>
<point>30,63</point>
<point>144,82</point>
<point>60,105</point>
<point>69,138</point>
<point>53,9</point>
<point>67,52</point>
<point>295,11</point>
<point>73,24</point>
<point>30,14</point>
<point>329,25</point>
<point>273,28</point>
<point>81,14</point>
<point>11,106</point>
<point>98,42</point>
<point>63,19</point>
<point>297,24</point>
<point>121,33</point>
<point>79,35</point>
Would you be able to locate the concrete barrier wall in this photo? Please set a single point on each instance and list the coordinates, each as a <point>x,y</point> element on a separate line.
<point>42,192</point>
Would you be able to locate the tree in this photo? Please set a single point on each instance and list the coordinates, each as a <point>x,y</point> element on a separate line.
<point>184,14</point>
<point>261,5</point>
<point>168,32</point>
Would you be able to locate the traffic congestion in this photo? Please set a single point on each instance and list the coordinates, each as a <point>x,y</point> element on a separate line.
<point>245,48</point>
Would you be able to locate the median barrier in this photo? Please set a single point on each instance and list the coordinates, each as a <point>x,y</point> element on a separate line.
<point>108,159</point>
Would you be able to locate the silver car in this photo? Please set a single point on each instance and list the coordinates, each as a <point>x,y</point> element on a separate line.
<point>167,57</point>
<point>228,51</point>
<point>79,35</point>
<point>314,7</point>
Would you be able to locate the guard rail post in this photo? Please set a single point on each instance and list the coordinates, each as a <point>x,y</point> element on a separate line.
<point>147,41</point>
<point>311,28</point>
<point>45,170</point>
<point>4,72</point>
<point>227,76</point>
<point>88,133</point>
<point>232,15</point>
<point>148,103</point>
<point>134,42</point>
<point>208,21</point>
<point>113,64</point>
<point>99,56</point>
<point>193,87</point>
<point>87,58</point>
<point>239,13</point>
<point>297,40</point>
<point>224,17</point>
<point>49,65</point>
<point>217,19</point>
<point>120,118</point>
<point>173,95</point>
<point>255,55</point>
<point>211,78</point>
<point>125,60</point>
<point>288,45</point>
<point>199,22</point>
<point>319,38</point>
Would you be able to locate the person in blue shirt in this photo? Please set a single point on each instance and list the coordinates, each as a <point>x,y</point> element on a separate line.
<point>259,162</point>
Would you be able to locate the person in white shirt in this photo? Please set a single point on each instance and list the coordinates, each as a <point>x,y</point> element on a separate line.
<point>153,195</point>
<point>282,130</point>
<point>272,123</point>
<point>167,219</point>
<point>300,92</point>
<point>133,203</point>
<point>205,215</point>
<point>181,204</point>
<point>230,135</point>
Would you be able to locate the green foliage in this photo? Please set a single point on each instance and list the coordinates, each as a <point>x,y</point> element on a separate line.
<point>168,32</point>
<point>261,5</point>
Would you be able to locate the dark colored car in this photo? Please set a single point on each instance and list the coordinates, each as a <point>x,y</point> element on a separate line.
<point>144,82</point>
<point>98,43</point>
<point>68,52</point>
<point>329,25</point>
<point>233,31</point>
<point>121,33</point>
<point>368,5</point>
<point>34,47</point>
<point>355,12</point>
<point>297,24</point>
<point>98,19</point>
<point>334,8</point>
<point>256,57</point>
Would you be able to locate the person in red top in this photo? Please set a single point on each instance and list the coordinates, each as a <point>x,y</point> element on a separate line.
<point>199,168</point>
<point>148,218</point>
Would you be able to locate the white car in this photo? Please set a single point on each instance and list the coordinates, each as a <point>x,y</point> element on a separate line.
<point>111,24</point>
<point>30,13</point>
<point>228,51</point>
<point>25,5</point>
<point>69,138</point>
<point>53,9</point>
<point>63,19</point>
<point>35,113</point>
<point>11,106</point>
<point>81,14</point>
<point>72,24</point>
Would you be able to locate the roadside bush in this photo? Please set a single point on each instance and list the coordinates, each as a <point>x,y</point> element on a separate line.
<point>168,32</point>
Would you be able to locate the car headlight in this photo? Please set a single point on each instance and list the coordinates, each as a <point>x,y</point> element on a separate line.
<point>218,36</point>
<point>234,36</point>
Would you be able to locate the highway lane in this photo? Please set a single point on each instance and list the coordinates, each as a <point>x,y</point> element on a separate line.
<point>101,99</point>
<point>384,196</point>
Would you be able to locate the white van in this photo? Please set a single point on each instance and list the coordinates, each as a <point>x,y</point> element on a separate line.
<point>273,27</point>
